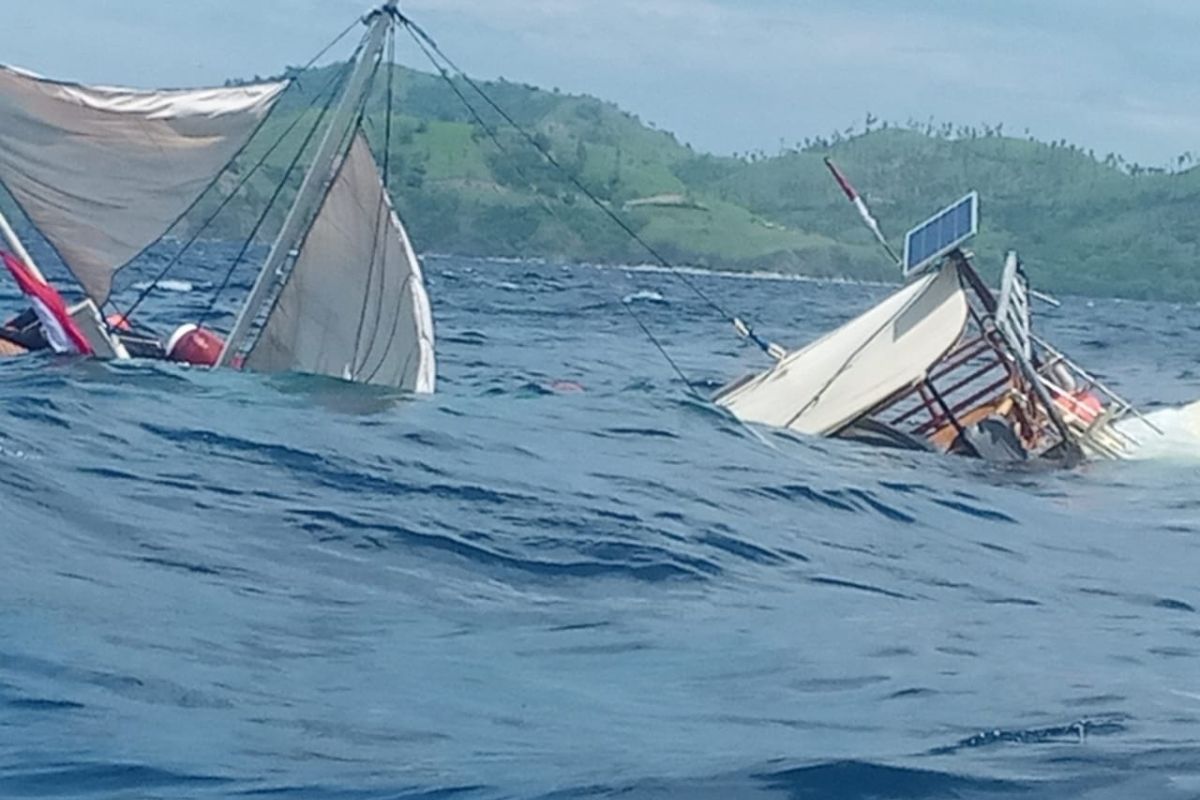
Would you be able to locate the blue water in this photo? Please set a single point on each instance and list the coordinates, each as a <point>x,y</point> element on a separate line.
<point>217,584</point>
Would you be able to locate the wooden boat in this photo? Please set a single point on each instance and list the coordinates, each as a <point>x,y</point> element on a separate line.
<point>104,173</point>
<point>944,364</point>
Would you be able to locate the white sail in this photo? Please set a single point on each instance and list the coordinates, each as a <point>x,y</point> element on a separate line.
<point>354,304</point>
<point>819,389</point>
<point>103,172</point>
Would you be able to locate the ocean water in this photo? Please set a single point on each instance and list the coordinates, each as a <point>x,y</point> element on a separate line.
<point>562,576</point>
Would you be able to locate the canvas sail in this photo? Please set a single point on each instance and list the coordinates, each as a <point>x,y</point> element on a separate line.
<point>104,172</point>
<point>354,305</point>
<point>831,382</point>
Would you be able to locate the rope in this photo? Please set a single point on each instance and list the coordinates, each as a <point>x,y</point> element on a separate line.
<point>241,151</point>
<point>220,207</point>
<point>849,362</point>
<point>495,138</point>
<point>430,47</point>
<point>250,238</point>
<point>328,47</point>
<point>343,146</point>
<point>379,212</point>
<point>491,132</point>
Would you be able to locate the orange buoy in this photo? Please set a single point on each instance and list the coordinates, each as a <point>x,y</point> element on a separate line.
<point>191,344</point>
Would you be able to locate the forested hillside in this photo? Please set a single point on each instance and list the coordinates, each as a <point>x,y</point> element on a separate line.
<point>1083,223</point>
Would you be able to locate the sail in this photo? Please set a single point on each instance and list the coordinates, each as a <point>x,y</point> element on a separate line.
<point>354,305</point>
<point>104,172</point>
<point>821,388</point>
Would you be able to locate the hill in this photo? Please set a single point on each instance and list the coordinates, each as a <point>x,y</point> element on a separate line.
<point>1083,224</point>
<point>460,193</point>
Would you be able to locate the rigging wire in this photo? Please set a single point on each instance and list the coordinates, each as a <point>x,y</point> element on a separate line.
<point>853,357</point>
<point>430,47</point>
<point>343,147</point>
<point>174,261</point>
<point>283,181</point>
<point>321,54</point>
<point>385,207</point>
<point>493,135</point>
<point>377,232</point>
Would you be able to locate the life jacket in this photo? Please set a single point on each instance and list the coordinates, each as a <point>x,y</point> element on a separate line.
<point>1082,404</point>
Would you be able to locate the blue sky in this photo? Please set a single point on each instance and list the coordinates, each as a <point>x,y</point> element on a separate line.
<point>725,75</point>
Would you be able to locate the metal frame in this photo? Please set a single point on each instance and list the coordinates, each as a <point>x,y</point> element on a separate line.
<point>985,374</point>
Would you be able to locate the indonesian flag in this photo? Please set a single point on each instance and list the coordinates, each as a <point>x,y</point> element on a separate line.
<point>61,331</point>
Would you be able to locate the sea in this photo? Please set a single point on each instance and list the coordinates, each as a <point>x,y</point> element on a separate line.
<point>564,575</point>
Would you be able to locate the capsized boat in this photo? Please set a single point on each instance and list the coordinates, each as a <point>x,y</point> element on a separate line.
<point>105,173</point>
<point>944,364</point>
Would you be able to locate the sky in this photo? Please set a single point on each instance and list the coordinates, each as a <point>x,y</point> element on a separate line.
<point>724,75</point>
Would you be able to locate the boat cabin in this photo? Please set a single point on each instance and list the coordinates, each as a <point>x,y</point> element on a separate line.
<point>944,364</point>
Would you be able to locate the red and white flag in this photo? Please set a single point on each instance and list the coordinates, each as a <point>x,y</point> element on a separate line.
<point>61,331</point>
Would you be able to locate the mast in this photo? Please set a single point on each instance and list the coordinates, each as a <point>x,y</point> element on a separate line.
<point>14,242</point>
<point>316,181</point>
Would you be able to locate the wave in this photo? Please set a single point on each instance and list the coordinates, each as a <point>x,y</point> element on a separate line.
<point>645,295</point>
<point>168,285</point>
<point>1180,427</point>
<point>747,275</point>
<point>521,585</point>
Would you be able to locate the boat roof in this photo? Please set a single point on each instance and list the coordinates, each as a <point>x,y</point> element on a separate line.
<point>845,374</point>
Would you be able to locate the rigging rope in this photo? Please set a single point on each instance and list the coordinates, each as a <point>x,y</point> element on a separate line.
<point>174,261</point>
<point>387,155</point>
<point>430,47</point>
<point>343,147</point>
<point>250,238</point>
<point>379,211</point>
<point>495,138</point>
<point>321,54</point>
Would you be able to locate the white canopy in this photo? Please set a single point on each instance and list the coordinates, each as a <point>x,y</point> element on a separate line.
<point>354,305</point>
<point>834,380</point>
<point>103,172</point>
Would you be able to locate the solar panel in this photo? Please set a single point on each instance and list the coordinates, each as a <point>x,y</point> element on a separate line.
<point>941,233</point>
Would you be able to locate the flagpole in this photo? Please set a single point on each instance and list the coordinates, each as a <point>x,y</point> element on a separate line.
<point>870,221</point>
<point>864,212</point>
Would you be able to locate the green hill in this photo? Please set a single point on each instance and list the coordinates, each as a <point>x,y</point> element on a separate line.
<point>1082,224</point>
<point>460,193</point>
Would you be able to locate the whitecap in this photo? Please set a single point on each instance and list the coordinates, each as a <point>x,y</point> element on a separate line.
<point>168,285</point>
<point>645,295</point>
<point>1180,437</point>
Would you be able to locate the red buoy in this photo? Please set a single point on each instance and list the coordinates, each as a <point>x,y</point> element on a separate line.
<point>192,344</point>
